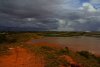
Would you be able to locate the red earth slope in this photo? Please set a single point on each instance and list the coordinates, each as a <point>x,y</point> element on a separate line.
<point>21,57</point>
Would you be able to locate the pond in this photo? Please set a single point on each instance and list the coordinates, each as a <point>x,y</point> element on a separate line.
<point>91,44</point>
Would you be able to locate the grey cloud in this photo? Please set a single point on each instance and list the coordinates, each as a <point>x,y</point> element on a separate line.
<point>32,8</point>
<point>91,23</point>
<point>88,22</point>
<point>37,8</point>
<point>17,24</point>
<point>42,15</point>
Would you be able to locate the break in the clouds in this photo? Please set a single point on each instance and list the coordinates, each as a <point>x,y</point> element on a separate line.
<point>88,7</point>
<point>50,15</point>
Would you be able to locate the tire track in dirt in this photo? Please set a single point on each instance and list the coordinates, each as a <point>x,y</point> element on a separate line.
<point>21,57</point>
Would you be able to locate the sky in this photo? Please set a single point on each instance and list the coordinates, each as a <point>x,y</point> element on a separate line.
<point>50,15</point>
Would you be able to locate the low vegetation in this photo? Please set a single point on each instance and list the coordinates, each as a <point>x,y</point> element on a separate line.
<point>14,37</point>
<point>52,55</point>
<point>86,54</point>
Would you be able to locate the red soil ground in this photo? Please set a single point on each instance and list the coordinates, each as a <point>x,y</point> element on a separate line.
<point>20,57</point>
<point>44,44</point>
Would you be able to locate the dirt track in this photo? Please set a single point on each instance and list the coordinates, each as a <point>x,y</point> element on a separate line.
<point>21,57</point>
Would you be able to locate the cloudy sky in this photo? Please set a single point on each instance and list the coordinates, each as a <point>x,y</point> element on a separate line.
<point>50,15</point>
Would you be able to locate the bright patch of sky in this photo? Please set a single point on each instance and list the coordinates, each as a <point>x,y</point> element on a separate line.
<point>66,15</point>
<point>79,3</point>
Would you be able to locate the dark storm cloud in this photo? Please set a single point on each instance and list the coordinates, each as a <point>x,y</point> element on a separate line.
<point>32,8</point>
<point>43,15</point>
<point>84,23</point>
<point>72,21</point>
<point>40,8</point>
<point>25,24</point>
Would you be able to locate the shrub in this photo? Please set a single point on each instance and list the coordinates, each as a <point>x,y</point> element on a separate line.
<point>2,38</point>
<point>52,64</point>
<point>86,54</point>
<point>46,48</point>
<point>50,56</point>
<point>98,59</point>
<point>64,51</point>
<point>64,62</point>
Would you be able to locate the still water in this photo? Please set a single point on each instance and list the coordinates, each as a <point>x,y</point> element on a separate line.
<point>91,44</point>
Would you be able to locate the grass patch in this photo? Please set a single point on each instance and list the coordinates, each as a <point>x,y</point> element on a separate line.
<point>64,51</point>
<point>51,55</point>
<point>52,64</point>
<point>86,54</point>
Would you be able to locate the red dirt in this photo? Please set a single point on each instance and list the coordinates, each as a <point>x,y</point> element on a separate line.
<point>21,57</point>
<point>44,44</point>
<point>69,59</point>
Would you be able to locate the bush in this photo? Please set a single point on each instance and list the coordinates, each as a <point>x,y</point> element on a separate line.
<point>7,38</point>
<point>52,64</point>
<point>2,38</point>
<point>46,48</point>
<point>51,56</point>
<point>64,62</point>
<point>86,54</point>
<point>64,51</point>
<point>98,59</point>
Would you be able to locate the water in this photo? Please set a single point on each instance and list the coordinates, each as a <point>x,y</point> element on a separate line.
<point>91,44</point>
